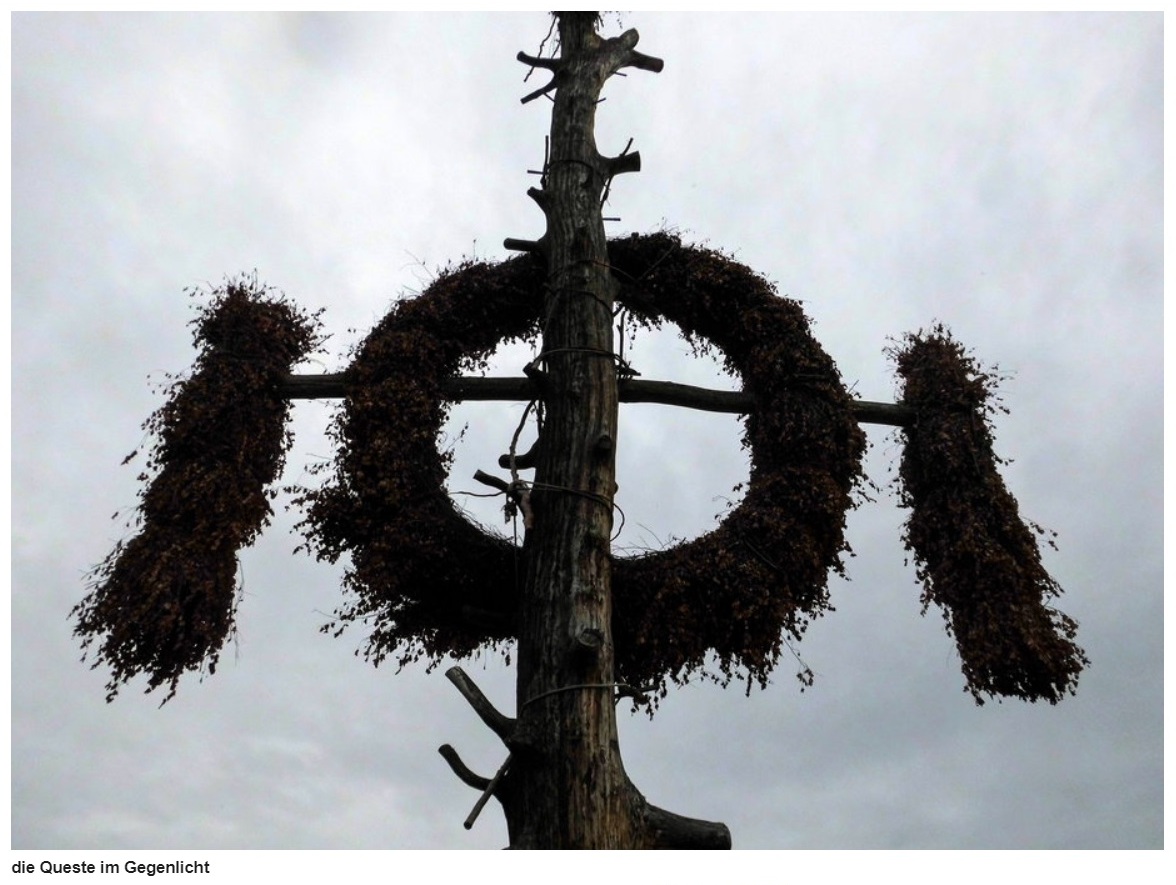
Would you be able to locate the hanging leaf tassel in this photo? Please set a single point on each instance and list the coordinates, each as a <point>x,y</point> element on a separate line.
<point>975,556</point>
<point>164,602</point>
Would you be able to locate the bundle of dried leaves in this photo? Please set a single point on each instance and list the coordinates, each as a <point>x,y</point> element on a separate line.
<point>163,603</point>
<point>975,556</point>
<point>427,582</point>
<point>763,572</point>
<point>423,578</point>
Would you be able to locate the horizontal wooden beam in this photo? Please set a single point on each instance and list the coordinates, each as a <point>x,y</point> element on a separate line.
<point>634,390</point>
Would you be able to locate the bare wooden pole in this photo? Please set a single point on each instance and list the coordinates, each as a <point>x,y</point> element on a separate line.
<point>569,771</point>
<point>633,390</point>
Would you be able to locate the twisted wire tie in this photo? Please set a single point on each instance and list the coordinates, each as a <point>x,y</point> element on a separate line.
<point>632,688</point>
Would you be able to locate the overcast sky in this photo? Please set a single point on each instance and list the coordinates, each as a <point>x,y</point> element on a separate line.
<point>1000,173</point>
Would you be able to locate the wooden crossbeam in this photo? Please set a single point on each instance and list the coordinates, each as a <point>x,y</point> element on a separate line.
<point>633,390</point>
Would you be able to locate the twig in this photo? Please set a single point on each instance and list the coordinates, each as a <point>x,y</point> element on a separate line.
<point>486,794</point>
<point>501,725</point>
<point>463,773</point>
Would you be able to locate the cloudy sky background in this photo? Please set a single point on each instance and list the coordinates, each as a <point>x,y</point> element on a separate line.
<point>1000,173</point>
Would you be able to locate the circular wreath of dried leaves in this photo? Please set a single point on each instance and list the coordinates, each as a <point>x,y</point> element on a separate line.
<point>428,583</point>
<point>164,602</point>
<point>976,558</point>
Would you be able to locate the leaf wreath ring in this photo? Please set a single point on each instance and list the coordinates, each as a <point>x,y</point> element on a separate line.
<point>427,582</point>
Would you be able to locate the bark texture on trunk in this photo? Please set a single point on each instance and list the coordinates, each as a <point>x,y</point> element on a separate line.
<point>565,785</point>
<point>572,785</point>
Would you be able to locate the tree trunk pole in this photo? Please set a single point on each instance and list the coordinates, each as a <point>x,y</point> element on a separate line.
<point>572,783</point>
<point>566,785</point>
